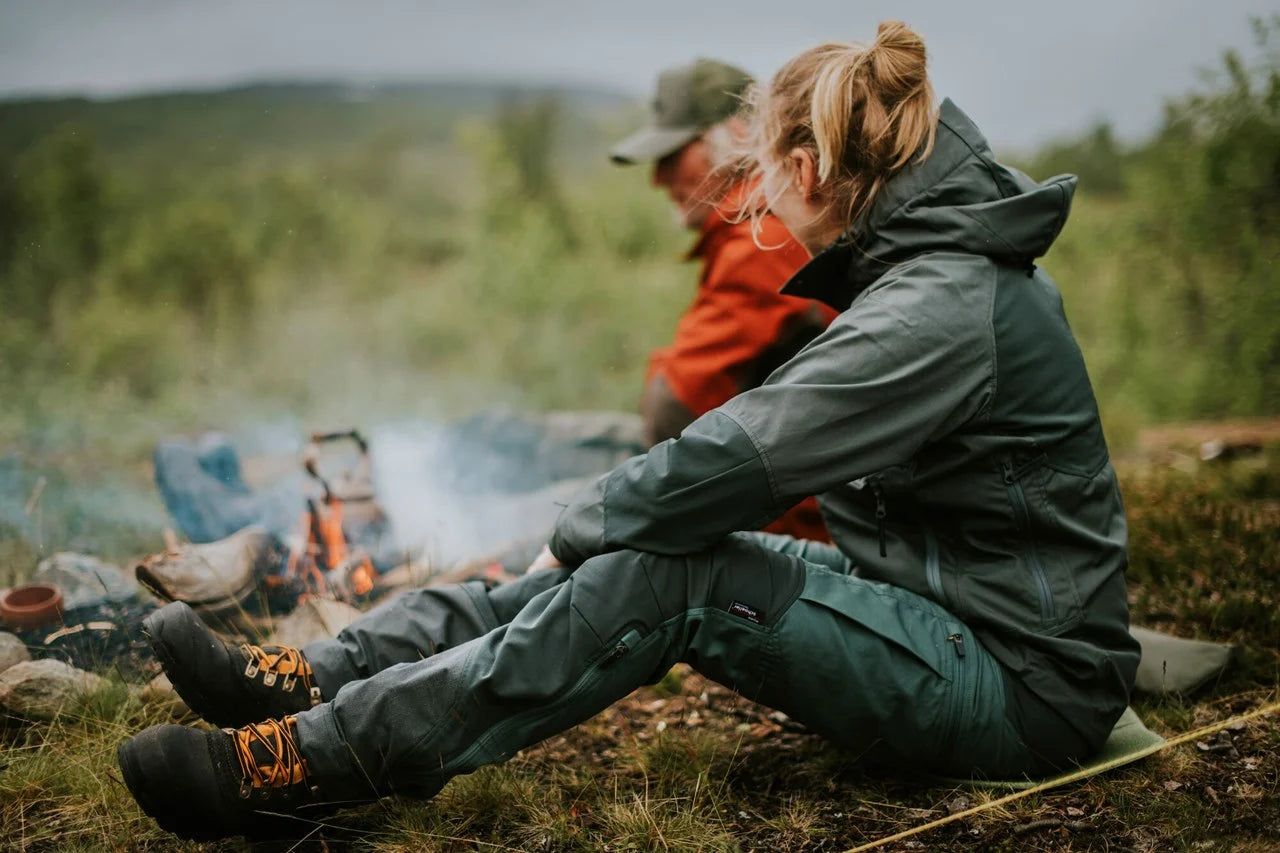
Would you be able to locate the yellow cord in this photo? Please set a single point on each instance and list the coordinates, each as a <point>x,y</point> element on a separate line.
<point>1072,777</point>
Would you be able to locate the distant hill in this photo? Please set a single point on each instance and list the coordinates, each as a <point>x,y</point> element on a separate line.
<point>282,115</point>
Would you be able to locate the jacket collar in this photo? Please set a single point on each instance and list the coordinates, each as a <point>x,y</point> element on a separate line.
<point>826,277</point>
<point>838,273</point>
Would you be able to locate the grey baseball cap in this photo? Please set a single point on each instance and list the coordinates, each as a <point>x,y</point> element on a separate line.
<point>690,99</point>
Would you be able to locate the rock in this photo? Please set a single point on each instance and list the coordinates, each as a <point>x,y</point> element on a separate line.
<point>84,581</point>
<point>159,686</point>
<point>313,619</point>
<point>39,689</point>
<point>159,691</point>
<point>12,651</point>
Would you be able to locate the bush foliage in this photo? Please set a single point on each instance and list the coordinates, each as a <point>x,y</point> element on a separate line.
<point>1169,264</point>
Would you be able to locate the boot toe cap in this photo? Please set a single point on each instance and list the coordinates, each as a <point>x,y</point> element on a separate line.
<point>171,772</point>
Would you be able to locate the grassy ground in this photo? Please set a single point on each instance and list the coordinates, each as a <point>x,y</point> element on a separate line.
<point>687,765</point>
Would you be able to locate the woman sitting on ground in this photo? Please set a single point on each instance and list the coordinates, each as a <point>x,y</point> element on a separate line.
<point>971,620</point>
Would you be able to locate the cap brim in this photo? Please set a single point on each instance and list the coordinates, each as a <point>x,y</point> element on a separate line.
<point>651,143</point>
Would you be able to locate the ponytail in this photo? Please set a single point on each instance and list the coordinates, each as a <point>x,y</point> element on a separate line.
<point>864,112</point>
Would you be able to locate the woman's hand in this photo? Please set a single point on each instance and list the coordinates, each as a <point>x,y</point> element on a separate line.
<point>544,560</point>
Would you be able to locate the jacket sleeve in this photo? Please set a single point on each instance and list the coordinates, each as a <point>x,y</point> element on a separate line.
<point>894,372</point>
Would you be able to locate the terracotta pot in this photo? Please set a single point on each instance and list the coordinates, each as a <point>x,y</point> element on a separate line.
<point>32,606</point>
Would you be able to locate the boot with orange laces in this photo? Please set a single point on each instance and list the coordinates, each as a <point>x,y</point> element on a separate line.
<point>204,785</point>
<point>225,684</point>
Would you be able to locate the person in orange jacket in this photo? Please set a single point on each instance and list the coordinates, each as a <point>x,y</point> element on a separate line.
<point>739,328</point>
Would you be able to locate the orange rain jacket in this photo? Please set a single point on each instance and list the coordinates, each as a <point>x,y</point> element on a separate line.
<point>740,328</point>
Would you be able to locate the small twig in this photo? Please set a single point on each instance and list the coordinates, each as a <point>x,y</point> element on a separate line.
<point>304,838</point>
<point>36,494</point>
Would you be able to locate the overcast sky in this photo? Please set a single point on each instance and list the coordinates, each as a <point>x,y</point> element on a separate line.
<point>1027,70</point>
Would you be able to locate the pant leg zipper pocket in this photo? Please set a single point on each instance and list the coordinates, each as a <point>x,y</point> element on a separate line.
<point>620,649</point>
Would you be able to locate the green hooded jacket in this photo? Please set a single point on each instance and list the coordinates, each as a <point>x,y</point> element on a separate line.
<point>946,421</point>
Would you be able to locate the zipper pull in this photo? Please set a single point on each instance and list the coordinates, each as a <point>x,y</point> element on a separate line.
<point>613,656</point>
<point>620,649</point>
<point>1008,472</point>
<point>958,639</point>
<point>880,514</point>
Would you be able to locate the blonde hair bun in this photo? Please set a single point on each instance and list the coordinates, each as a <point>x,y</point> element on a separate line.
<point>897,61</point>
<point>863,111</point>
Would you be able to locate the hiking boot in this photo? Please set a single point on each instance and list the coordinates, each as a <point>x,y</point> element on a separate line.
<point>204,785</point>
<point>225,684</point>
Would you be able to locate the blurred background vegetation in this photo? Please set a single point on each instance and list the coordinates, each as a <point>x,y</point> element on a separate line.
<point>322,254</point>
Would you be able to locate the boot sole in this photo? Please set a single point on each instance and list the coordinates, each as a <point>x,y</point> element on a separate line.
<point>153,628</point>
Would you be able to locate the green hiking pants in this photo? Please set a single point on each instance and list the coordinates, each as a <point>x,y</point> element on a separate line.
<point>441,681</point>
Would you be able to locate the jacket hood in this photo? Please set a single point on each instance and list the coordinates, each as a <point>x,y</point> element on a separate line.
<point>958,199</point>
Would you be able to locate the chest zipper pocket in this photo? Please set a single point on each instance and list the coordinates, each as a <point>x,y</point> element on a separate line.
<point>878,492</point>
<point>1013,484</point>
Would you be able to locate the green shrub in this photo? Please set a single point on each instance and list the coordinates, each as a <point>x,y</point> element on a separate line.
<point>134,345</point>
<point>1095,158</point>
<point>53,212</point>
<point>192,256</point>
<point>1172,286</point>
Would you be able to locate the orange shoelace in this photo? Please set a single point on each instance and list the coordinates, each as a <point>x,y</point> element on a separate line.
<point>285,661</point>
<point>284,764</point>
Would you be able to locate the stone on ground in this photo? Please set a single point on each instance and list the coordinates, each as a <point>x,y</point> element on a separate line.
<point>39,689</point>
